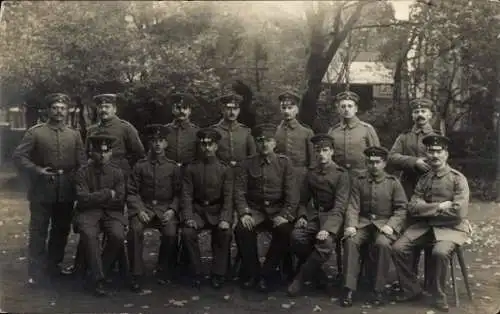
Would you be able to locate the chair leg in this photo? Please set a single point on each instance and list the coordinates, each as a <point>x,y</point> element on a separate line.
<point>453,280</point>
<point>463,268</point>
<point>338,256</point>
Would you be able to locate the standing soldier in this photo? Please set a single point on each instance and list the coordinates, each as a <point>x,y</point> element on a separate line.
<point>266,198</point>
<point>408,155</point>
<point>152,201</point>
<point>327,187</point>
<point>376,214</point>
<point>127,148</point>
<point>100,191</point>
<point>49,154</point>
<point>236,141</point>
<point>181,132</point>
<point>351,136</point>
<point>438,211</point>
<point>207,198</point>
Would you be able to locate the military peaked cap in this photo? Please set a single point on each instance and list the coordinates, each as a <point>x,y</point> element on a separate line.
<point>105,99</point>
<point>291,97</point>
<point>230,100</point>
<point>265,130</point>
<point>376,152</point>
<point>101,143</point>
<point>57,97</point>
<point>347,95</point>
<point>436,141</point>
<point>156,131</point>
<point>208,135</point>
<point>322,140</point>
<point>183,98</point>
<point>419,103</point>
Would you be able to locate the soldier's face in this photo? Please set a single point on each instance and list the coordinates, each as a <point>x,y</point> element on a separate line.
<point>265,146</point>
<point>437,157</point>
<point>181,112</point>
<point>231,113</point>
<point>289,110</point>
<point>209,148</point>
<point>421,116</point>
<point>375,166</point>
<point>347,108</point>
<point>58,112</point>
<point>324,154</point>
<point>101,157</point>
<point>107,111</point>
<point>158,145</point>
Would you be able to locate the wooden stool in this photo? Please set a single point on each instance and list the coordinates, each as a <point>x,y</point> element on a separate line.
<point>458,252</point>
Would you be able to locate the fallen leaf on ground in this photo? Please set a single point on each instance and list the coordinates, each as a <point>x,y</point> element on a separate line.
<point>145,307</point>
<point>430,312</point>
<point>317,309</point>
<point>22,258</point>
<point>128,305</point>
<point>227,297</point>
<point>286,306</point>
<point>334,299</point>
<point>145,292</point>
<point>195,298</point>
<point>271,298</point>
<point>485,297</point>
<point>52,303</point>
<point>178,303</point>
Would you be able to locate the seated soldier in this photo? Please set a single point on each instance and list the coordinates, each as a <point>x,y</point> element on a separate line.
<point>375,215</point>
<point>152,201</point>
<point>266,197</point>
<point>207,203</point>
<point>438,209</point>
<point>327,187</point>
<point>100,191</point>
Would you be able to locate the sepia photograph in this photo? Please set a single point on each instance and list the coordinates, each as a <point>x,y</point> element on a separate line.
<point>220,157</point>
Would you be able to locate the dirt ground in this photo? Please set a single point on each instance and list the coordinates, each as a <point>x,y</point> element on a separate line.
<point>66,295</point>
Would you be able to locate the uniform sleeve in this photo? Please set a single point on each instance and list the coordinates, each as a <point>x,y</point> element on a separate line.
<point>292,194</point>
<point>336,214</point>
<point>305,197</point>
<point>372,136</point>
<point>187,194</point>
<point>353,207</point>
<point>251,150</point>
<point>134,201</point>
<point>396,157</point>
<point>418,207</point>
<point>119,188</point>
<point>240,189</point>
<point>134,146</point>
<point>80,151</point>
<point>310,149</point>
<point>399,205</point>
<point>22,154</point>
<point>176,189</point>
<point>460,199</point>
<point>84,196</point>
<point>228,186</point>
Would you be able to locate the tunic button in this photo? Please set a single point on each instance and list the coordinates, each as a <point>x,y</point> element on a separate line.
<point>267,203</point>
<point>60,171</point>
<point>154,202</point>
<point>348,166</point>
<point>232,163</point>
<point>206,203</point>
<point>179,164</point>
<point>321,208</point>
<point>373,216</point>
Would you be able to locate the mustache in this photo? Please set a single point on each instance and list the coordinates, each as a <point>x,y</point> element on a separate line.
<point>420,118</point>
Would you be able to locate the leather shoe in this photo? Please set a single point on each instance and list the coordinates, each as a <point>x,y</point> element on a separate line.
<point>196,283</point>
<point>100,290</point>
<point>378,299</point>
<point>294,288</point>
<point>408,298</point>
<point>442,306</point>
<point>262,285</point>
<point>248,284</point>
<point>134,285</point>
<point>347,299</point>
<point>217,281</point>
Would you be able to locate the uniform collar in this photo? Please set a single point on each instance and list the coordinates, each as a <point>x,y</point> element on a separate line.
<point>267,159</point>
<point>351,124</point>
<point>108,122</point>
<point>209,159</point>
<point>292,124</point>
<point>226,125</point>
<point>156,159</point>
<point>181,124</point>
<point>426,129</point>
<point>323,169</point>
<point>56,127</point>
<point>377,178</point>
<point>442,171</point>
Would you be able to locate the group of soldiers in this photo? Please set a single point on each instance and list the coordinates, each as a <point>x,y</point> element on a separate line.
<point>311,192</point>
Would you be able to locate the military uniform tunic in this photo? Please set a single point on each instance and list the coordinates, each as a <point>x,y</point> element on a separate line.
<point>207,197</point>
<point>235,144</point>
<point>265,188</point>
<point>98,211</point>
<point>444,229</point>
<point>154,187</point>
<point>350,140</point>
<point>51,196</point>
<point>375,201</point>
<point>182,145</point>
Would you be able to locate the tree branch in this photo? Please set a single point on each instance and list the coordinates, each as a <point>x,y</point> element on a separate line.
<point>387,25</point>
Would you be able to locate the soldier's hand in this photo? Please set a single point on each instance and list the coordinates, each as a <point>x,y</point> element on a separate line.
<point>144,217</point>
<point>387,230</point>
<point>445,205</point>
<point>278,220</point>
<point>191,223</point>
<point>301,223</point>
<point>322,235</point>
<point>422,165</point>
<point>223,225</point>
<point>113,194</point>
<point>167,216</point>
<point>46,171</point>
<point>349,232</point>
<point>248,222</point>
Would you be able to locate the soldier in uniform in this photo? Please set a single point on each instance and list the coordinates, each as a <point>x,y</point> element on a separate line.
<point>351,136</point>
<point>49,155</point>
<point>326,186</point>
<point>438,209</point>
<point>266,199</point>
<point>153,202</point>
<point>182,146</point>
<point>408,155</point>
<point>236,141</point>
<point>207,198</point>
<point>127,149</point>
<point>375,215</point>
<point>100,190</point>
